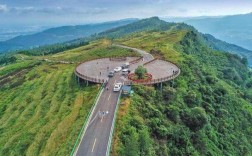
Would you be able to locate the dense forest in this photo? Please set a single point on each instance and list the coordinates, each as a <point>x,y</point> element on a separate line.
<point>7,59</point>
<point>54,48</point>
<point>205,111</point>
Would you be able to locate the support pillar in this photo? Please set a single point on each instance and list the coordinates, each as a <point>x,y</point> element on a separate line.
<point>87,82</point>
<point>161,86</point>
<point>78,81</point>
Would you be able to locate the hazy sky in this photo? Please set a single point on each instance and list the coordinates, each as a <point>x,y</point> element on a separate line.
<point>47,12</point>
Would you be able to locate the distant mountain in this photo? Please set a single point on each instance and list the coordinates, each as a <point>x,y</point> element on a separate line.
<point>59,34</point>
<point>10,31</point>
<point>183,19</point>
<point>236,29</point>
<point>153,23</point>
<point>224,46</point>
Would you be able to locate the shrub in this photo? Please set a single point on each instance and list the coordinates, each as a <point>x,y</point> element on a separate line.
<point>192,98</point>
<point>195,119</point>
<point>173,113</point>
<point>140,72</point>
<point>168,93</point>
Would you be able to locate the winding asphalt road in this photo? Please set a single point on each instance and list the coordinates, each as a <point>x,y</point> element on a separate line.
<point>95,139</point>
<point>147,57</point>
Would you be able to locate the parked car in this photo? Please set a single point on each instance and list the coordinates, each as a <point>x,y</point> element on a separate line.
<point>111,73</point>
<point>117,69</point>
<point>125,65</point>
<point>125,71</point>
<point>117,87</point>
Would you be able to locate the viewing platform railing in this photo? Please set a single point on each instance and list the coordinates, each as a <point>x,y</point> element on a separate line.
<point>136,60</point>
<point>154,81</point>
<point>117,58</point>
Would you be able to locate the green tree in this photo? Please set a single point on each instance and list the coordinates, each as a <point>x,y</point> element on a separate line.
<point>140,72</point>
<point>196,118</point>
<point>173,113</point>
<point>169,93</point>
<point>132,144</point>
<point>145,143</point>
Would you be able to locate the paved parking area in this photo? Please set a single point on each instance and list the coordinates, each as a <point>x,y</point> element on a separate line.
<point>100,68</point>
<point>160,69</point>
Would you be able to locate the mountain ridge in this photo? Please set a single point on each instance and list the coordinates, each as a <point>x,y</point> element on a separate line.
<point>59,35</point>
<point>235,29</point>
<point>154,24</point>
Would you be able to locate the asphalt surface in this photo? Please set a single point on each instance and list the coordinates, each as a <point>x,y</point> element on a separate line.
<point>147,57</point>
<point>96,137</point>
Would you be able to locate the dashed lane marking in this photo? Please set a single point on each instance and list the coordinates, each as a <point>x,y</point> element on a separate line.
<point>94,145</point>
<point>109,96</point>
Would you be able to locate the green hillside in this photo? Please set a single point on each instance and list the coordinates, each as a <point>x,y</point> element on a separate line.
<point>152,24</point>
<point>42,109</point>
<point>205,111</point>
<point>224,46</point>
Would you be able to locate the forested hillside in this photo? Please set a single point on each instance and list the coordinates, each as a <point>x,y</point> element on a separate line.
<point>205,111</point>
<point>153,23</point>
<point>236,29</point>
<point>227,47</point>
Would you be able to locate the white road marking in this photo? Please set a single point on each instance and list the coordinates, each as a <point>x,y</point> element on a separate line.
<point>109,96</point>
<point>101,118</point>
<point>83,134</point>
<point>94,145</point>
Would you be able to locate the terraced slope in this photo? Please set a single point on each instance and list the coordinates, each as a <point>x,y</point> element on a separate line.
<point>42,109</point>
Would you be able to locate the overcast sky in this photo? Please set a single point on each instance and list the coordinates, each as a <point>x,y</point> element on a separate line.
<point>59,12</point>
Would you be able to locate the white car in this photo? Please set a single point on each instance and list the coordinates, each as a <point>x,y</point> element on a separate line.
<point>125,71</point>
<point>117,69</point>
<point>117,87</point>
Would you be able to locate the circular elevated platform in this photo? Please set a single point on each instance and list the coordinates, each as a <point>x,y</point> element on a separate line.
<point>97,70</point>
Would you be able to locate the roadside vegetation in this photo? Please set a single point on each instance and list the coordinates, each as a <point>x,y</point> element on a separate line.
<point>42,109</point>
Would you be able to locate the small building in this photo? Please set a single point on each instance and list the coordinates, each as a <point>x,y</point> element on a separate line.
<point>126,90</point>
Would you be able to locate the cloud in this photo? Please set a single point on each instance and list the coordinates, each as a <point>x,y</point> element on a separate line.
<point>51,10</point>
<point>6,9</point>
<point>3,8</point>
<point>183,10</point>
